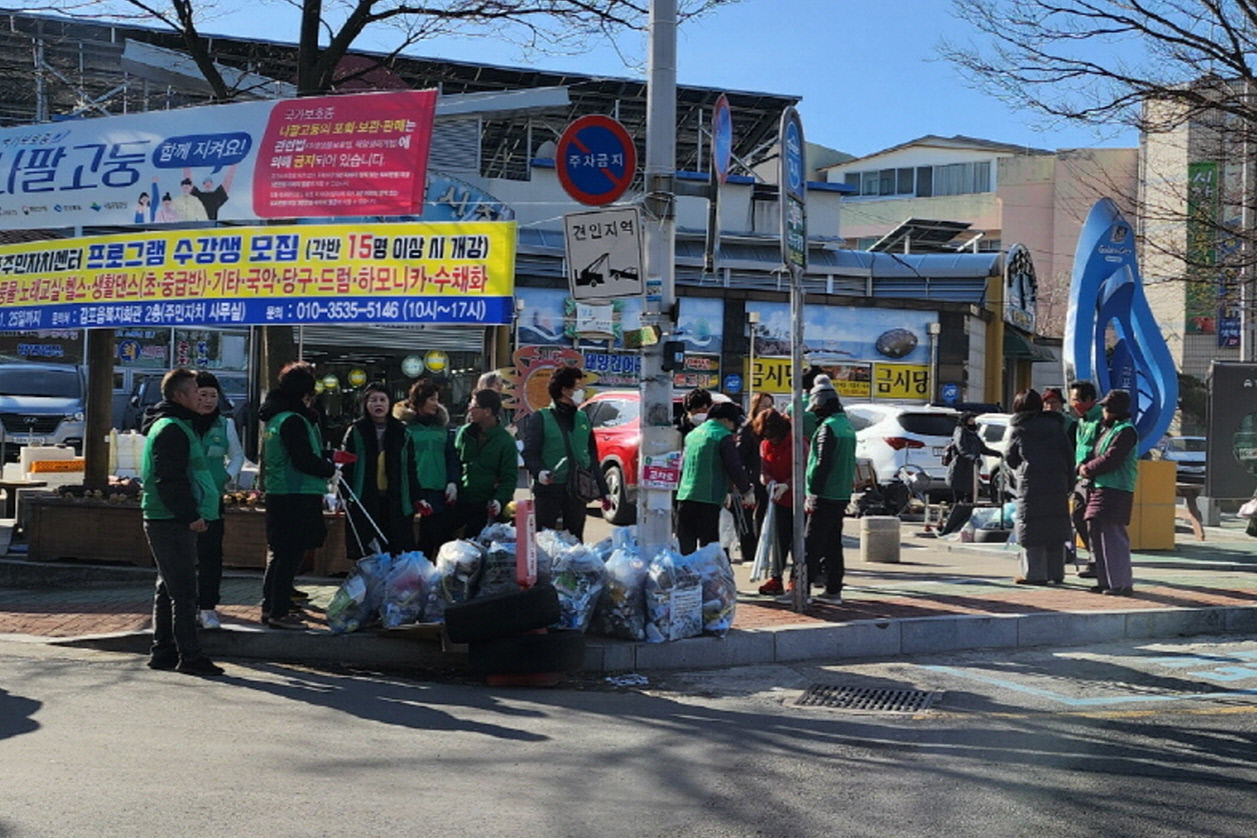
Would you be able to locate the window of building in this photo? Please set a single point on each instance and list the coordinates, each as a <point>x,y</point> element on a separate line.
<point>923,181</point>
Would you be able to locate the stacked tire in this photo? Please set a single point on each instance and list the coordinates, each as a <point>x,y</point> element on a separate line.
<point>507,634</point>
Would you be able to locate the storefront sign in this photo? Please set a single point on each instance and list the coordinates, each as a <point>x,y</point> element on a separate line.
<point>396,273</point>
<point>327,156</point>
<point>700,371</point>
<point>901,381</point>
<point>528,385</point>
<point>412,366</point>
<point>614,369</point>
<point>661,471</point>
<point>436,361</point>
<point>357,377</point>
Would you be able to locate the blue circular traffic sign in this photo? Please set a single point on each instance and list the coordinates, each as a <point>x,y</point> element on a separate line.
<point>721,138</point>
<point>595,160</point>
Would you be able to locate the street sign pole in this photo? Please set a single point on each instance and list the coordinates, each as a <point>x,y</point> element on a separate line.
<point>654,505</point>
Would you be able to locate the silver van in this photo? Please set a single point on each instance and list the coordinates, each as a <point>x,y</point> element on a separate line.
<point>41,404</point>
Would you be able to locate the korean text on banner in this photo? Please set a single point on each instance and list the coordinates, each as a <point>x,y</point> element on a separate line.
<point>440,272</point>
<point>322,157</point>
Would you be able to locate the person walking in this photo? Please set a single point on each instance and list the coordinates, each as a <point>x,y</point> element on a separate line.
<point>555,438</point>
<point>178,499</point>
<point>748,443</point>
<point>375,472</point>
<point>709,467</point>
<point>221,443</point>
<point>776,457</point>
<point>830,475</point>
<point>488,462</point>
<point>1111,468</point>
<point>1084,425</point>
<point>962,456</point>
<point>294,477</point>
<point>1042,462</point>
<point>433,466</point>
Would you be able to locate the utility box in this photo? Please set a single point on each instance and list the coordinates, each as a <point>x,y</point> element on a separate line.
<point>1152,519</point>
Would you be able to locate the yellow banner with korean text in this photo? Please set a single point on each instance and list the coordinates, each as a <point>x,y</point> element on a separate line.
<point>437,272</point>
<point>855,381</point>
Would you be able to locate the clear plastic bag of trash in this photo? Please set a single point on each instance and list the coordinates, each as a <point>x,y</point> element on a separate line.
<point>497,576</point>
<point>579,577</point>
<point>549,544</point>
<point>405,590</point>
<point>621,609</point>
<point>356,604</point>
<point>504,533</point>
<point>459,563</point>
<point>720,589</point>
<point>674,598</point>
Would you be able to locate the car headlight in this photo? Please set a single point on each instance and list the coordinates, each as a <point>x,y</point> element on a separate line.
<point>77,416</point>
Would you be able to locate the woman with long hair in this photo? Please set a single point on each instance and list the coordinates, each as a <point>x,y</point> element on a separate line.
<point>1041,460</point>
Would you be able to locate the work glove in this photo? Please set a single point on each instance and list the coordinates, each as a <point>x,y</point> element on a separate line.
<point>451,492</point>
<point>779,490</point>
<point>423,509</point>
<point>544,477</point>
<point>494,508</point>
<point>344,458</point>
<point>809,504</point>
<point>748,499</point>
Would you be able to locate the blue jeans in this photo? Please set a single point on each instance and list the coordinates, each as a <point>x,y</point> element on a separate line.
<point>174,602</point>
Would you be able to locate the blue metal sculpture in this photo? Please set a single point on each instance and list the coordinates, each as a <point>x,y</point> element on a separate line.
<point>1107,292</point>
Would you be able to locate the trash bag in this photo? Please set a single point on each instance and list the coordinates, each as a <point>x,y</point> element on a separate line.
<point>720,589</point>
<point>674,598</point>
<point>497,576</point>
<point>579,577</point>
<point>728,529</point>
<point>459,563</point>
<point>405,590</point>
<point>767,556</point>
<point>504,533</point>
<point>356,604</point>
<point>549,544</point>
<point>621,610</point>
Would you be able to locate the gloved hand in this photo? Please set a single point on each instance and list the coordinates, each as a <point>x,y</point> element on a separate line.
<point>748,499</point>
<point>809,504</point>
<point>545,478</point>
<point>494,508</point>
<point>423,509</point>
<point>780,490</point>
<point>451,492</point>
<point>344,458</point>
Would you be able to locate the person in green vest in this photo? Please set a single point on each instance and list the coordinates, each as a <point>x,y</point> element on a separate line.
<point>432,466</point>
<point>489,463</point>
<point>294,477</point>
<point>553,437</point>
<point>1111,468</point>
<point>178,500</point>
<point>828,479</point>
<point>377,475</point>
<point>710,469</point>
<point>223,452</point>
<point>1084,416</point>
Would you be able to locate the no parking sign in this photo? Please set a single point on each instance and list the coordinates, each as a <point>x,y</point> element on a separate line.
<point>595,159</point>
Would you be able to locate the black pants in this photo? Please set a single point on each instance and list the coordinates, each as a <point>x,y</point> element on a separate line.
<point>823,543</point>
<point>698,524</point>
<point>174,600</point>
<point>749,539</point>
<point>398,529</point>
<point>209,563</point>
<point>554,503</point>
<point>784,516</point>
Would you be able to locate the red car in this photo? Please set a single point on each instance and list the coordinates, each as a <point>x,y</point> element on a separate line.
<point>615,416</point>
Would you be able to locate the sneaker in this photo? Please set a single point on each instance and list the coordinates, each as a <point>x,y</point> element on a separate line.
<point>833,598</point>
<point>1118,591</point>
<point>1097,589</point>
<point>771,588</point>
<point>1088,572</point>
<point>203,667</point>
<point>163,660</point>
<point>288,621</point>
<point>207,618</point>
<point>298,595</point>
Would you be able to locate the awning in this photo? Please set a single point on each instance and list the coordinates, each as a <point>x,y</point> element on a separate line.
<point>1018,347</point>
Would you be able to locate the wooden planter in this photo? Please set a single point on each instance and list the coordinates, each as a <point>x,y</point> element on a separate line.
<point>100,531</point>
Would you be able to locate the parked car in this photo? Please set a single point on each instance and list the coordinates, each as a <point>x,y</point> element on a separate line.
<point>892,436</point>
<point>615,418</point>
<point>41,404</point>
<point>993,428</point>
<point>1188,454</point>
<point>147,392</point>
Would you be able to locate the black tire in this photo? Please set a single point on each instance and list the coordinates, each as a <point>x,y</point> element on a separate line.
<point>554,651</point>
<point>622,511</point>
<point>987,535</point>
<point>502,615</point>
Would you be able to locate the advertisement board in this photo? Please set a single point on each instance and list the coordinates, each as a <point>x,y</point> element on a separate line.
<point>1231,449</point>
<point>446,272</point>
<point>319,157</point>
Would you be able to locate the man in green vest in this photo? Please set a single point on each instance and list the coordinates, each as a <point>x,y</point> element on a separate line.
<point>1112,469</point>
<point>829,477</point>
<point>1085,414</point>
<point>489,463</point>
<point>180,496</point>
<point>710,468</point>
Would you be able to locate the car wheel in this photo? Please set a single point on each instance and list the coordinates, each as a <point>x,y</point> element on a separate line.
<point>621,511</point>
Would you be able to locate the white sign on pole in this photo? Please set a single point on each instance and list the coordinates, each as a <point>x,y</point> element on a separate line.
<point>604,253</point>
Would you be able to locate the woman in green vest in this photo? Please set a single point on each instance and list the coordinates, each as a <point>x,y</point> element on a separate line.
<point>225,456</point>
<point>1111,468</point>
<point>377,475</point>
<point>432,466</point>
<point>552,439</point>
<point>294,477</point>
<point>710,469</point>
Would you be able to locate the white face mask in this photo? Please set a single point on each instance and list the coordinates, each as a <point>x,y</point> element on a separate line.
<point>698,418</point>
<point>578,396</point>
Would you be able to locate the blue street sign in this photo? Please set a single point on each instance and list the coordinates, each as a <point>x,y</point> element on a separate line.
<point>721,138</point>
<point>950,393</point>
<point>595,160</point>
<point>733,383</point>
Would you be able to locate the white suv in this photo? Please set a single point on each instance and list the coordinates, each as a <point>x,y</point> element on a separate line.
<point>892,436</point>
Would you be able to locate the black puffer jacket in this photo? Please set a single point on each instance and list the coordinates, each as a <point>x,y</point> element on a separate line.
<point>1041,459</point>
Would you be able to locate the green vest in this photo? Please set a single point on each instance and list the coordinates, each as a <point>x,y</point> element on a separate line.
<point>279,477</point>
<point>841,475</point>
<point>1088,431</point>
<point>428,444</point>
<point>214,443</point>
<point>554,449</point>
<point>490,464</point>
<point>703,475</point>
<point>1124,476</point>
<point>204,488</point>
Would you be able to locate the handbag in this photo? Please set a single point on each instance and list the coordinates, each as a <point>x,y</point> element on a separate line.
<point>582,482</point>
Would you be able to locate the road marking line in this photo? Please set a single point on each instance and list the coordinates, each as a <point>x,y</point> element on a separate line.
<point>1085,702</point>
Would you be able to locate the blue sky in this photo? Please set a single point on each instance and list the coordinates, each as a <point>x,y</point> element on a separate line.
<point>868,70</point>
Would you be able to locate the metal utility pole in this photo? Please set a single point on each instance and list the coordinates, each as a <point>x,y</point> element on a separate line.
<point>654,506</point>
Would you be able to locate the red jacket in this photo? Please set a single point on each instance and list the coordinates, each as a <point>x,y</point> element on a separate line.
<point>776,463</point>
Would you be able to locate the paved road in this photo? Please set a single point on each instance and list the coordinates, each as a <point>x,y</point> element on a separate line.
<point>94,744</point>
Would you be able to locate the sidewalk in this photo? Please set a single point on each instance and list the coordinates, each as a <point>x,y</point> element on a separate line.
<point>941,596</point>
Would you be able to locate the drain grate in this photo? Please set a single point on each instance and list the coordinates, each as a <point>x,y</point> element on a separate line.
<point>870,699</point>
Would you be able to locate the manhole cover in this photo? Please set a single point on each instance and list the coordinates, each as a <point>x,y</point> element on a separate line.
<point>869,699</point>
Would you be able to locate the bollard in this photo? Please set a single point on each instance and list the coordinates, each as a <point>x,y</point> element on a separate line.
<point>879,539</point>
